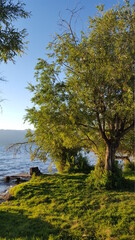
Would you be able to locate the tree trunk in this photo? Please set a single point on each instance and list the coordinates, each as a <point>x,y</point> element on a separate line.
<point>110,157</point>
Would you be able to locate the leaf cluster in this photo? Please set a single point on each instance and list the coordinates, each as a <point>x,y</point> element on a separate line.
<point>11,39</point>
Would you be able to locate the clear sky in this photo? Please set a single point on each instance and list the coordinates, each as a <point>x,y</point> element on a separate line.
<point>41,27</point>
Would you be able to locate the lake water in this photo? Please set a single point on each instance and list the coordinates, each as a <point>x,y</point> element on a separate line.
<point>11,164</point>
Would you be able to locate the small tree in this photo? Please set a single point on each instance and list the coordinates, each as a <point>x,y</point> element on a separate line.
<point>92,108</point>
<point>49,116</point>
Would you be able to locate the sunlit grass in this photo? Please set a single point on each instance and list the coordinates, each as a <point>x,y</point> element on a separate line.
<point>63,207</point>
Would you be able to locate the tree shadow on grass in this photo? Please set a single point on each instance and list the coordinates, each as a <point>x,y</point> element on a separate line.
<point>128,185</point>
<point>17,225</point>
<point>45,188</point>
<point>76,177</point>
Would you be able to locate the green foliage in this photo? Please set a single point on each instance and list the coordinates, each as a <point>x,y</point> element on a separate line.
<point>83,98</point>
<point>11,39</point>
<point>71,161</point>
<point>62,207</point>
<point>126,146</point>
<point>79,164</point>
<point>97,179</point>
<point>65,160</point>
<point>103,179</point>
<point>129,167</point>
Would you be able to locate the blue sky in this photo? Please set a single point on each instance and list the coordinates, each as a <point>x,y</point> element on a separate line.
<point>42,25</point>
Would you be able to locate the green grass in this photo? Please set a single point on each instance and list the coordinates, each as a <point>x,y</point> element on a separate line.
<point>63,207</point>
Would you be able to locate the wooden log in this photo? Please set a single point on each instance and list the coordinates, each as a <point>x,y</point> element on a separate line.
<point>22,177</point>
<point>35,170</point>
<point>7,179</point>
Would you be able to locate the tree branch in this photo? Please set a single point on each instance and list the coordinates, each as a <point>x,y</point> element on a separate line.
<point>126,130</point>
<point>101,129</point>
<point>91,141</point>
<point>123,157</point>
<point>81,124</point>
<point>17,146</point>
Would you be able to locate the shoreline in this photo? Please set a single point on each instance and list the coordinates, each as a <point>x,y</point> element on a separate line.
<point>12,181</point>
<point>16,180</point>
<point>5,196</point>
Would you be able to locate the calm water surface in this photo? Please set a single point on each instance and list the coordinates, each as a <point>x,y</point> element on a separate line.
<point>11,164</point>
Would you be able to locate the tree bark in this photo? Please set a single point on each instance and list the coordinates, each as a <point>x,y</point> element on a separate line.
<point>110,157</point>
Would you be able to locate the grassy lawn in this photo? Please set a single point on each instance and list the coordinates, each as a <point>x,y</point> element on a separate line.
<point>63,207</point>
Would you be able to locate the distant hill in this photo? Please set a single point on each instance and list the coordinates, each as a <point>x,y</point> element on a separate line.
<point>8,137</point>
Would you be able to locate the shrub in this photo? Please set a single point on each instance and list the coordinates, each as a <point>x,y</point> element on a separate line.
<point>129,167</point>
<point>80,165</point>
<point>103,179</point>
<point>72,161</point>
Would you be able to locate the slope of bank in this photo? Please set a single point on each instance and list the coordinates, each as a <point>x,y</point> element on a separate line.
<point>63,207</point>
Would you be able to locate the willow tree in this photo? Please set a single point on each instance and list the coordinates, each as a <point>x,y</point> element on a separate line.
<point>94,107</point>
<point>11,39</point>
<point>49,115</point>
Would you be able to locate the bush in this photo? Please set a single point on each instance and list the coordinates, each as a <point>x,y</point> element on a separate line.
<point>103,179</point>
<point>72,161</point>
<point>129,167</point>
<point>80,165</point>
<point>64,158</point>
